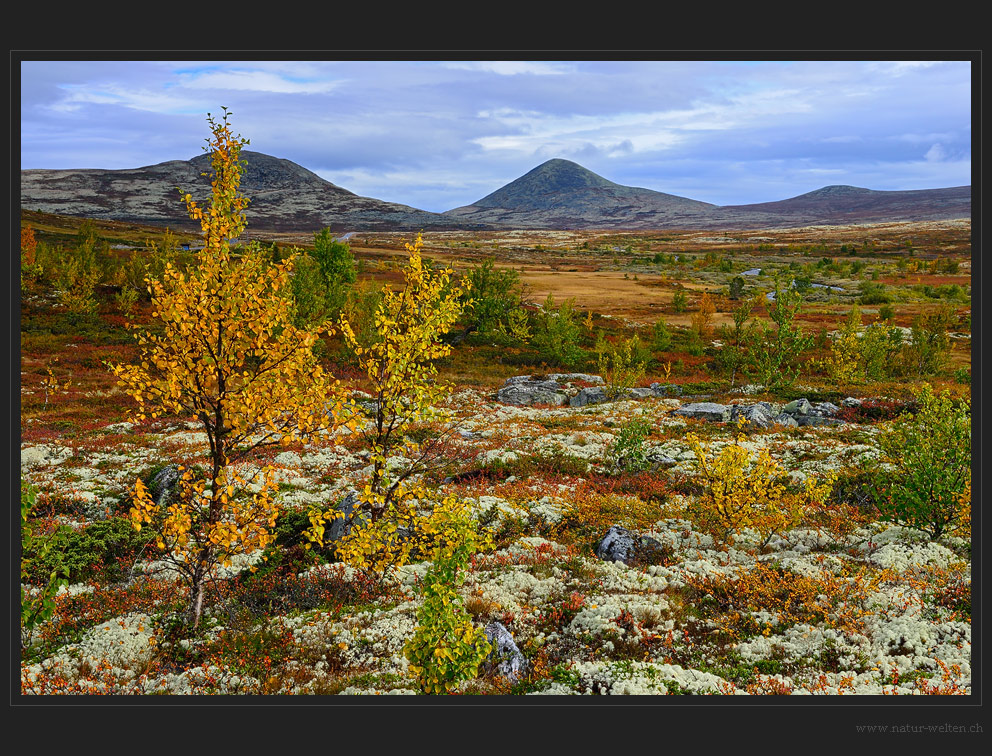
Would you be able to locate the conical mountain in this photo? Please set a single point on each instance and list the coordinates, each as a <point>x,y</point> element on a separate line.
<point>563,194</point>
<point>284,197</point>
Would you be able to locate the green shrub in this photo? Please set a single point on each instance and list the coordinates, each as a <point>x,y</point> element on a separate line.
<point>928,487</point>
<point>102,547</point>
<point>39,607</point>
<point>773,352</point>
<point>930,343</point>
<point>628,452</point>
<point>622,366</point>
<point>494,293</point>
<point>873,293</point>
<point>679,301</point>
<point>661,336</point>
<point>557,333</point>
<point>446,649</point>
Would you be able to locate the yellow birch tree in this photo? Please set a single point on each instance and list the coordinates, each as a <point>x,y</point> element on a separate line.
<point>229,356</point>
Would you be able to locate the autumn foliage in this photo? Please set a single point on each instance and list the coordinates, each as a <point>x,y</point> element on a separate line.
<point>228,355</point>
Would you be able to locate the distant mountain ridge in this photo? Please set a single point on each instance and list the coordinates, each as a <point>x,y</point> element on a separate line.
<point>558,194</point>
<point>284,197</point>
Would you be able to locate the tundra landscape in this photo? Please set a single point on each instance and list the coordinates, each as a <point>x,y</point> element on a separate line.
<point>493,451</point>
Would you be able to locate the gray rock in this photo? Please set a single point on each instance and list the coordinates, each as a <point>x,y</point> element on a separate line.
<point>755,415</point>
<point>798,407</point>
<point>666,389</point>
<point>640,393</point>
<point>569,377</point>
<point>659,460</point>
<point>718,413</point>
<point>591,395</point>
<point>533,392</point>
<point>852,401</point>
<point>815,420</point>
<point>509,661</point>
<point>341,526</point>
<point>825,409</point>
<point>622,545</point>
<point>787,421</point>
<point>163,483</point>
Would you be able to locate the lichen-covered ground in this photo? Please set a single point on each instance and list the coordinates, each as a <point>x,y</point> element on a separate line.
<point>843,605</point>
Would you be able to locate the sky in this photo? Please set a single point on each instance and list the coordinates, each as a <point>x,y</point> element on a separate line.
<point>437,135</point>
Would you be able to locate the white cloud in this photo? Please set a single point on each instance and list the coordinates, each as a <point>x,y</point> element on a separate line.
<point>511,67</point>
<point>256,81</point>
<point>936,153</point>
<point>153,101</point>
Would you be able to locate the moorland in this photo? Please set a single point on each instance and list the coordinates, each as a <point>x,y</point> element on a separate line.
<point>610,462</point>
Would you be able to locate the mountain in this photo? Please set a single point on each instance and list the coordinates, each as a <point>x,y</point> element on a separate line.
<point>284,197</point>
<point>563,194</point>
<point>557,194</point>
<point>852,204</point>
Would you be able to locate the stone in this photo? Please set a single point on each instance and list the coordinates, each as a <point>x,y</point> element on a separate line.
<point>570,377</point>
<point>640,393</point>
<point>717,413</point>
<point>339,527</point>
<point>785,420</point>
<point>825,409</point>
<point>755,415</point>
<point>532,392</point>
<point>852,402</point>
<point>591,395</point>
<point>509,661</point>
<point>816,420</point>
<point>622,545</point>
<point>798,407</point>
<point>162,484</point>
<point>666,389</point>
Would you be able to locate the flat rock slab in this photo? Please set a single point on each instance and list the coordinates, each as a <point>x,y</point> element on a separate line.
<point>716,413</point>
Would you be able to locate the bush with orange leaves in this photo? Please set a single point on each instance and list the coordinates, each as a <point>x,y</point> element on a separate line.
<point>739,492</point>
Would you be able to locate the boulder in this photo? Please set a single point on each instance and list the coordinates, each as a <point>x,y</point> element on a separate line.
<point>852,402</point>
<point>717,413</point>
<point>755,415</point>
<point>570,377</point>
<point>815,420</point>
<point>787,421</point>
<point>529,391</point>
<point>825,409</point>
<point>666,389</point>
<point>798,407</point>
<point>339,527</point>
<point>639,393</point>
<point>591,395</point>
<point>623,545</point>
<point>508,659</point>
<point>162,484</point>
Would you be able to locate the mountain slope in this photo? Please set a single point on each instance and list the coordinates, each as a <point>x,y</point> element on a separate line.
<point>284,197</point>
<point>563,194</point>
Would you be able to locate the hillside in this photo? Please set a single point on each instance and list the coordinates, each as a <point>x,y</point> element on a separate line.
<point>563,194</point>
<point>284,196</point>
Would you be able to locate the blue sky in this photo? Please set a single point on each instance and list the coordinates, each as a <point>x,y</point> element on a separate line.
<point>440,134</point>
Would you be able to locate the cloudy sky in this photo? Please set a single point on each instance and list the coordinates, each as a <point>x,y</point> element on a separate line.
<point>440,134</point>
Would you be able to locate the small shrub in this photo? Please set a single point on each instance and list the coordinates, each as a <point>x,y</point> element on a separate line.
<point>557,333</point>
<point>620,367</point>
<point>738,492</point>
<point>627,452</point>
<point>929,487</point>
<point>446,647</point>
